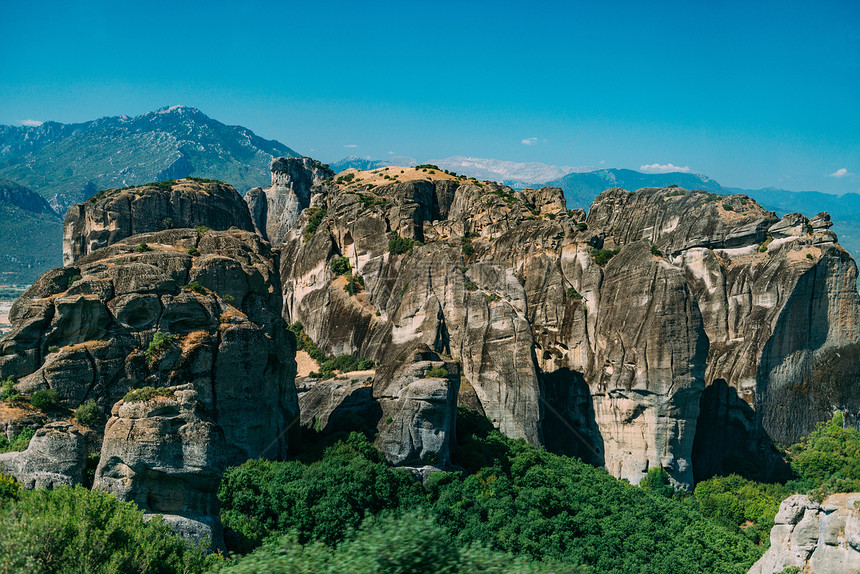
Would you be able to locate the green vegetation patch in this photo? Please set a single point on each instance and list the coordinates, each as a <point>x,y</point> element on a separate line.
<point>602,256</point>
<point>315,218</point>
<point>90,414</point>
<point>399,245</point>
<point>78,531</point>
<point>436,373</point>
<point>512,498</point>
<point>19,442</point>
<point>46,400</point>
<point>160,342</point>
<point>340,265</point>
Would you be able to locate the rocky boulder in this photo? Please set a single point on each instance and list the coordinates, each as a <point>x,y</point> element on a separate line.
<point>814,537</point>
<point>56,456</point>
<point>164,453</point>
<point>115,214</point>
<point>419,408</point>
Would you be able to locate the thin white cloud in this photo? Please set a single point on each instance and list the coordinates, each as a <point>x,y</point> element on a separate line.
<point>841,172</point>
<point>602,161</point>
<point>391,153</point>
<point>350,145</point>
<point>31,123</point>
<point>664,168</point>
<point>530,141</point>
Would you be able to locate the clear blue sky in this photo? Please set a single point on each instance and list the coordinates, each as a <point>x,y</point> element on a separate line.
<point>750,93</point>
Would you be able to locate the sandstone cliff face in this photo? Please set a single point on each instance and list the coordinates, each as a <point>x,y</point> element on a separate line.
<point>276,208</point>
<point>113,215</point>
<point>815,537</point>
<point>680,351</point>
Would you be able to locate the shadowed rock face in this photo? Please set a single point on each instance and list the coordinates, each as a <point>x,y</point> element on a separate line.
<point>113,215</point>
<point>616,359</point>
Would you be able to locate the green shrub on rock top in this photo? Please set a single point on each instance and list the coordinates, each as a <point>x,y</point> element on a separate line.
<point>436,373</point>
<point>142,248</point>
<point>90,414</point>
<point>45,400</point>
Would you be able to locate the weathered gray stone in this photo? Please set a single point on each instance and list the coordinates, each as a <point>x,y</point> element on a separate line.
<point>166,455</point>
<point>112,216</point>
<point>55,456</point>
<point>814,537</point>
<point>419,413</point>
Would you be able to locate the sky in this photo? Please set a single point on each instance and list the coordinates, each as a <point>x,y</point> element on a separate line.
<point>752,94</point>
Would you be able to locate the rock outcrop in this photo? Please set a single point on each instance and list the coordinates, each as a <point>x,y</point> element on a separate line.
<point>197,311</point>
<point>56,456</point>
<point>815,537</point>
<point>418,400</point>
<point>113,215</point>
<point>276,208</point>
<point>168,456</point>
<point>671,327</point>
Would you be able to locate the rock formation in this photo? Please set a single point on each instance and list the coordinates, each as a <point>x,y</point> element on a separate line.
<point>113,215</point>
<point>671,327</point>
<point>276,208</point>
<point>813,536</point>
<point>194,310</point>
<point>168,456</point>
<point>55,456</point>
<point>418,396</point>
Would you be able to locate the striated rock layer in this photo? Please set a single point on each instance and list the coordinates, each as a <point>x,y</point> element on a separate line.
<point>714,329</point>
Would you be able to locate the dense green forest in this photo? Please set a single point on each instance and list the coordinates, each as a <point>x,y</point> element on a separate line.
<point>340,508</point>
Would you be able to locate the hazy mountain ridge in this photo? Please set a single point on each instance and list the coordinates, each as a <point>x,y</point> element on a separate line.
<point>29,232</point>
<point>515,174</point>
<point>66,163</point>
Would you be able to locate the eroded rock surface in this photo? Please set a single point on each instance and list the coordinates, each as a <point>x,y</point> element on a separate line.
<point>194,310</point>
<point>113,215</point>
<point>418,396</point>
<point>168,456</point>
<point>56,456</point>
<point>276,208</point>
<point>715,329</point>
<point>815,537</point>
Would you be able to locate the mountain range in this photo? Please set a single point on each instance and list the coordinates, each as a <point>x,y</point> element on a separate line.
<point>66,163</point>
<point>47,168</point>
